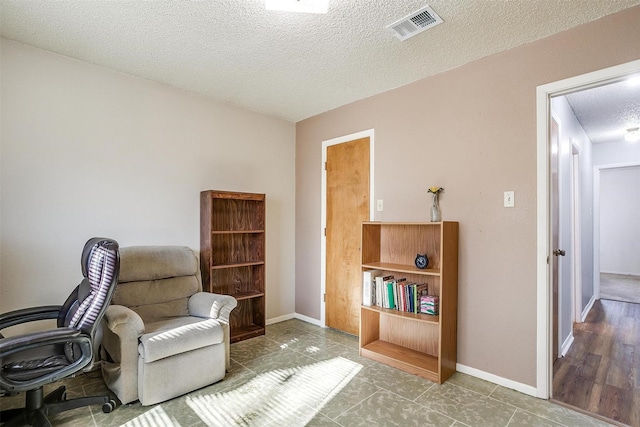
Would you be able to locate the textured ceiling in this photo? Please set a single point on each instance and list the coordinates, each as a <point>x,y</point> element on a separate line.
<point>605,112</point>
<point>288,65</point>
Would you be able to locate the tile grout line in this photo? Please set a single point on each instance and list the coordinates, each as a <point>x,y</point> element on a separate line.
<point>356,404</point>
<point>528,411</point>
<point>421,394</point>
<point>544,417</point>
<point>455,420</point>
<point>512,415</point>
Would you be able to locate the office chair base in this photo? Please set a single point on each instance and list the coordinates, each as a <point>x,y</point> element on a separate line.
<point>38,407</point>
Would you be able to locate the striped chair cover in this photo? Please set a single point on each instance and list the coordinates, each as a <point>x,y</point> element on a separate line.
<point>100,269</point>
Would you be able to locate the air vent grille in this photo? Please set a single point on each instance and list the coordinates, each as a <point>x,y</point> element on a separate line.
<point>415,23</point>
<point>423,19</point>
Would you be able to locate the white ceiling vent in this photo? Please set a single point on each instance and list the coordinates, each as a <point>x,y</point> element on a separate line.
<point>415,23</point>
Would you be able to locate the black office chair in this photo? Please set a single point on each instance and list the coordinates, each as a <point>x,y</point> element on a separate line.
<point>31,360</point>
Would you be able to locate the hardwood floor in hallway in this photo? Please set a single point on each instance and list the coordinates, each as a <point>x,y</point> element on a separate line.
<point>601,371</point>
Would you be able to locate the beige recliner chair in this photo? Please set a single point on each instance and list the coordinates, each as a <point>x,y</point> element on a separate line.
<point>163,336</point>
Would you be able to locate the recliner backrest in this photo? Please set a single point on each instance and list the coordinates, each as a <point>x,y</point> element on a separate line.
<point>157,281</point>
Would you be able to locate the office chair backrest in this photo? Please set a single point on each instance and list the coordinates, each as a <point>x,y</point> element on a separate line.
<point>100,265</point>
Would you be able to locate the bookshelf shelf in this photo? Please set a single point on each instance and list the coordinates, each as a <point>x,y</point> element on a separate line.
<point>246,331</point>
<point>420,344</point>
<point>237,231</point>
<point>236,265</point>
<point>232,256</point>
<point>401,268</point>
<point>247,295</point>
<point>414,362</point>
<point>417,316</point>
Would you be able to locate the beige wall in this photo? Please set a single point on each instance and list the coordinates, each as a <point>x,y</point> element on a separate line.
<point>87,151</point>
<point>471,130</point>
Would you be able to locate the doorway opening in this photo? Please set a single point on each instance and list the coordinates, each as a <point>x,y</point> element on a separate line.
<point>616,270</point>
<point>545,250</point>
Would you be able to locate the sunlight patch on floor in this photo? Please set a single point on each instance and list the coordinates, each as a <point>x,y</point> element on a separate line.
<point>155,417</point>
<point>283,397</point>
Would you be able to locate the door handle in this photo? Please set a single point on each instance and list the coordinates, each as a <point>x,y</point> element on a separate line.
<point>559,252</point>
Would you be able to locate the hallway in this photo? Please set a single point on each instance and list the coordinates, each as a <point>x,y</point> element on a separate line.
<point>600,373</point>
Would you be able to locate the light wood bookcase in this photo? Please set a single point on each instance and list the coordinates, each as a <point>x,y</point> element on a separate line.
<point>420,344</point>
<point>232,256</point>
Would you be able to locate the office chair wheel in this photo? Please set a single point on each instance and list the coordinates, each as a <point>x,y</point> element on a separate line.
<point>108,406</point>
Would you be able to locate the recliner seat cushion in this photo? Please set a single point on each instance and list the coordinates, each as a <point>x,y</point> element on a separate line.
<point>180,335</point>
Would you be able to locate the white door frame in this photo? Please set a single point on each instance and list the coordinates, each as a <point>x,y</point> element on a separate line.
<point>543,251</point>
<point>323,206</point>
<point>577,231</point>
<point>561,243</point>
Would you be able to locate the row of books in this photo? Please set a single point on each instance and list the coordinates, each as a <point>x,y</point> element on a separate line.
<point>389,292</point>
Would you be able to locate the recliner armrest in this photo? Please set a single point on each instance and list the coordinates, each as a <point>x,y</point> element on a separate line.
<point>213,306</point>
<point>119,319</point>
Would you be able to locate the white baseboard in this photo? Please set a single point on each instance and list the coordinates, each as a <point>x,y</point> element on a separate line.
<point>309,320</point>
<point>294,316</point>
<point>566,345</point>
<point>620,273</point>
<point>280,318</point>
<point>588,308</point>
<point>514,385</point>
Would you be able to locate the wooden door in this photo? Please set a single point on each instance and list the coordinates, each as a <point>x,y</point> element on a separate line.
<point>347,207</point>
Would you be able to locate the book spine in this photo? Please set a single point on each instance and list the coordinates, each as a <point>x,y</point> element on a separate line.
<point>405,299</point>
<point>398,293</point>
<point>388,280</point>
<point>366,289</point>
<point>414,291</point>
<point>395,296</point>
<point>379,283</point>
<point>369,286</point>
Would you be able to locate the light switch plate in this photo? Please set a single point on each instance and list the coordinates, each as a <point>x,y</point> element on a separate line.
<point>509,199</point>
<point>380,206</point>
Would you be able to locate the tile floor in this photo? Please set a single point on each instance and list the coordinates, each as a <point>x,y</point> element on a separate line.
<point>377,396</point>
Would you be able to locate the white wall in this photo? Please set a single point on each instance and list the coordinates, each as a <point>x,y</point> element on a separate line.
<point>620,220</point>
<point>605,157</point>
<point>572,133</point>
<point>616,153</point>
<point>87,152</point>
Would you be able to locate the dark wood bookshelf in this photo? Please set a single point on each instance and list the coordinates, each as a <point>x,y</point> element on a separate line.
<point>232,255</point>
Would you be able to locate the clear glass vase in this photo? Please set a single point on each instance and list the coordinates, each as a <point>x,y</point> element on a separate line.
<point>435,209</point>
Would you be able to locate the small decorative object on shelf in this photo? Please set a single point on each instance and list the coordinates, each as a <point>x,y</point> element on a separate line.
<point>422,261</point>
<point>429,304</point>
<point>435,208</point>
